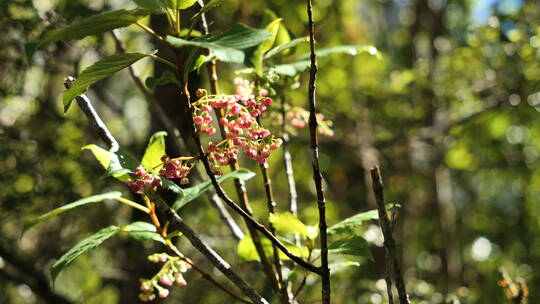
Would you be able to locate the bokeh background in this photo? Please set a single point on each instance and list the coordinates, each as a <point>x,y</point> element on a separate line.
<point>450,112</point>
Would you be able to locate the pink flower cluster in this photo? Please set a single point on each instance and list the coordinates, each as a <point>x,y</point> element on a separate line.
<point>169,275</point>
<point>175,169</point>
<point>298,118</point>
<point>143,180</point>
<point>240,112</point>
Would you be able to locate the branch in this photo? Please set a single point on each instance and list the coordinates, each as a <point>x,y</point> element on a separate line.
<point>93,117</point>
<point>240,186</point>
<point>203,248</point>
<point>389,243</point>
<point>314,143</point>
<point>171,215</point>
<point>171,129</point>
<point>221,193</point>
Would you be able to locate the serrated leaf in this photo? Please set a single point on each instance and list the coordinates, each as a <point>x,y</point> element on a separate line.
<point>82,202</point>
<point>282,47</point>
<point>155,149</point>
<point>349,224</point>
<point>102,69</point>
<point>356,246</point>
<point>143,231</point>
<point>286,222</point>
<point>228,46</point>
<point>166,78</point>
<point>247,252</point>
<point>82,247</point>
<point>191,193</point>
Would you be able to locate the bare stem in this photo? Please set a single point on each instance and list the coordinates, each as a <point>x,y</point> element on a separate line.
<point>317,176</point>
<point>149,31</point>
<point>389,243</point>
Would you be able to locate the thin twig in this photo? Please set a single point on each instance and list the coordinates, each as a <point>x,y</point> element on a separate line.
<point>389,243</point>
<point>203,248</point>
<point>314,143</point>
<point>175,135</point>
<point>289,171</point>
<point>170,214</point>
<point>93,117</point>
<point>239,184</point>
<point>203,273</point>
<point>221,193</point>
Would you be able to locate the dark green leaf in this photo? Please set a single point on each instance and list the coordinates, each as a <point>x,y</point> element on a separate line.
<point>155,149</point>
<point>98,71</point>
<point>355,245</point>
<point>143,231</point>
<point>195,61</point>
<point>30,49</point>
<point>349,224</point>
<point>165,78</point>
<point>82,247</point>
<point>82,202</point>
<point>191,193</point>
<point>228,46</point>
<point>155,6</point>
<point>94,25</point>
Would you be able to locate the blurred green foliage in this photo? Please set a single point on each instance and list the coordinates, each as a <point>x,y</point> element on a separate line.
<point>450,112</point>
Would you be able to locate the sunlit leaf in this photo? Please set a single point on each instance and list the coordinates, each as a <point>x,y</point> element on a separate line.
<point>286,222</point>
<point>82,202</point>
<point>143,231</point>
<point>256,59</point>
<point>247,252</point>
<point>102,69</point>
<point>155,149</point>
<point>280,48</point>
<point>82,247</point>
<point>356,246</point>
<point>349,224</point>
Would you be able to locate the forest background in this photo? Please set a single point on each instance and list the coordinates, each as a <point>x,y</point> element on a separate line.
<point>449,110</point>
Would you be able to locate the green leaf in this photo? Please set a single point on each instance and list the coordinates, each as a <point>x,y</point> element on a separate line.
<point>195,60</point>
<point>286,222</point>
<point>155,6</point>
<point>208,6</point>
<point>117,164</point>
<point>165,78</point>
<point>143,231</point>
<point>292,69</point>
<point>280,48</point>
<point>184,4</point>
<point>247,252</point>
<point>155,149</point>
<point>103,156</point>
<point>98,71</point>
<point>82,247</point>
<point>82,202</point>
<point>191,193</point>
<point>340,266</point>
<point>356,246</point>
<point>346,49</point>
<point>228,46</point>
<point>30,49</point>
<point>257,57</point>
<point>348,225</point>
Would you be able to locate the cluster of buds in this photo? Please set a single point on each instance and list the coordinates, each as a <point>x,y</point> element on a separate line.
<point>240,112</point>
<point>173,168</point>
<point>143,179</point>
<point>169,275</point>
